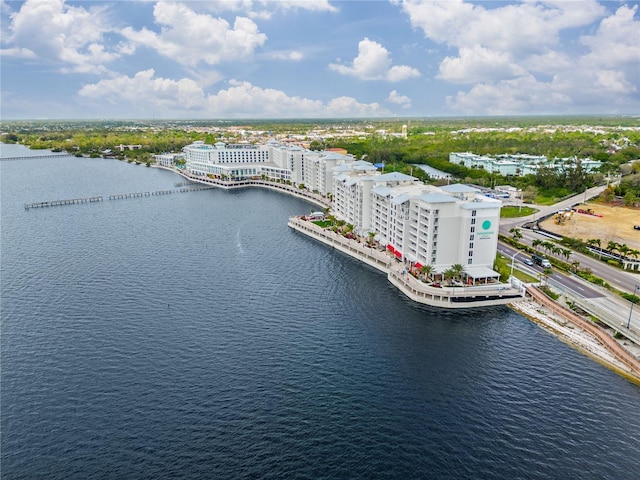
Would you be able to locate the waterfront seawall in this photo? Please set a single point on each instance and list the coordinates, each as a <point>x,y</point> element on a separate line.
<point>414,289</point>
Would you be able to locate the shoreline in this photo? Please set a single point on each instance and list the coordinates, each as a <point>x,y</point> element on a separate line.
<point>567,332</point>
<point>572,335</point>
<point>416,290</point>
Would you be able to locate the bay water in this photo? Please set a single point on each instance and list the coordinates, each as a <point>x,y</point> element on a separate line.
<point>194,335</point>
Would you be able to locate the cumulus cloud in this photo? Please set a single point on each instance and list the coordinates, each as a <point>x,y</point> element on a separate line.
<point>478,64</point>
<point>523,94</point>
<point>185,98</point>
<point>264,9</point>
<point>293,56</point>
<point>402,100</point>
<point>617,41</point>
<point>190,38</point>
<point>526,26</point>
<point>159,93</point>
<point>516,60</point>
<point>374,63</point>
<point>52,31</point>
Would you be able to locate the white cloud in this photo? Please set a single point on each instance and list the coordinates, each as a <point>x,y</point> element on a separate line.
<point>53,31</point>
<point>293,56</point>
<point>514,96</point>
<point>478,64</point>
<point>617,41</point>
<point>402,100</point>
<point>373,63</point>
<point>190,38</point>
<point>157,93</point>
<point>549,63</point>
<point>614,81</point>
<point>184,98</point>
<point>264,9</point>
<point>518,58</point>
<point>524,27</point>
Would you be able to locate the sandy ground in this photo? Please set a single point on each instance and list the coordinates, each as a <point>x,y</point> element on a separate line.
<point>573,335</point>
<point>616,224</point>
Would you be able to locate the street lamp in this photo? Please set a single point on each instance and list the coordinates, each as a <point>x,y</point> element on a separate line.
<point>513,259</point>
<point>632,304</point>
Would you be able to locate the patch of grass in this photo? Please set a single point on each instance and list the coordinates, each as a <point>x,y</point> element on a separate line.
<point>550,293</point>
<point>540,200</point>
<point>323,223</point>
<point>503,267</point>
<point>515,212</point>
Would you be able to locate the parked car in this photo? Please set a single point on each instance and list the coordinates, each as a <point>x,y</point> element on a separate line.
<point>636,227</point>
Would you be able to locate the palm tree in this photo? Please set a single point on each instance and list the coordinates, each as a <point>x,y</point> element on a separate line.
<point>370,236</point>
<point>575,264</point>
<point>595,241</point>
<point>612,246</point>
<point>427,270</point>
<point>566,253</point>
<point>536,243</point>
<point>448,274</point>
<point>556,250</point>
<point>517,235</point>
<point>457,270</point>
<point>634,253</point>
<point>544,275</point>
<point>548,246</point>
<point>624,250</point>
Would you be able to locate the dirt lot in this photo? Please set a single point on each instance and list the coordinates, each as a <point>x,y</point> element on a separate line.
<point>616,224</point>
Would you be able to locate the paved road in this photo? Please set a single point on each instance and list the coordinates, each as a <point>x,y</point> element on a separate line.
<point>624,281</point>
<point>609,308</point>
<point>566,282</point>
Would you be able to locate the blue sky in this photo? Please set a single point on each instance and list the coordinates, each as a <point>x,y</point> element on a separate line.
<point>318,58</point>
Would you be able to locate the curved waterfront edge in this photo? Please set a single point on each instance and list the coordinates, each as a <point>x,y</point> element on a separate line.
<point>419,292</point>
<point>409,286</point>
<point>315,198</point>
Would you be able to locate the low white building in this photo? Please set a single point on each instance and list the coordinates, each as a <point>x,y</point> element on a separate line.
<point>519,164</point>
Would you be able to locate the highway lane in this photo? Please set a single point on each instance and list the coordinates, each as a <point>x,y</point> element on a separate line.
<point>625,281</point>
<point>566,282</point>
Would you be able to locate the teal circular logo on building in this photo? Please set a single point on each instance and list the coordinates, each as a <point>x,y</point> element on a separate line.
<point>486,225</point>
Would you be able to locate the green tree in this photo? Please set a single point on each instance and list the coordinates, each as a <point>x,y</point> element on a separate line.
<point>427,270</point>
<point>517,235</point>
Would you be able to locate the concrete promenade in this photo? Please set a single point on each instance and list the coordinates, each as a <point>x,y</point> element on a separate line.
<point>445,297</point>
<point>233,184</point>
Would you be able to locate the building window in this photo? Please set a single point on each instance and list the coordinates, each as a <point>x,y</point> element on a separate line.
<point>471,253</point>
<point>471,238</point>
<point>473,221</point>
<point>470,261</point>
<point>473,229</point>
<point>471,245</point>
<point>473,213</point>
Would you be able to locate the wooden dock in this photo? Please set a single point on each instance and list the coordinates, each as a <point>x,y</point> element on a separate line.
<point>118,196</point>
<point>68,201</point>
<point>36,157</point>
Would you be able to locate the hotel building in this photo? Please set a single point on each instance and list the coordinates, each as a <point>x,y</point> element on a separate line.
<point>419,224</point>
<point>272,160</point>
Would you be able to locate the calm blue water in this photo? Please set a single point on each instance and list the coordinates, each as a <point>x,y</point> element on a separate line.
<point>196,336</point>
